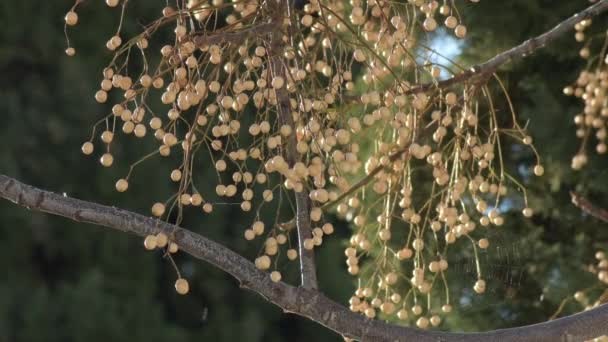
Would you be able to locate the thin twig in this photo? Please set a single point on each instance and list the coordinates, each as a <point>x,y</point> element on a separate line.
<point>233,37</point>
<point>588,207</point>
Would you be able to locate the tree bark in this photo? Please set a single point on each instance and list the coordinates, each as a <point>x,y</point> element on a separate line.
<point>309,303</point>
<point>278,68</point>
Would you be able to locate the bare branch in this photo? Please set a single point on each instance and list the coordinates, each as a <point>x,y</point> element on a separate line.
<point>588,207</point>
<point>523,50</point>
<point>305,302</point>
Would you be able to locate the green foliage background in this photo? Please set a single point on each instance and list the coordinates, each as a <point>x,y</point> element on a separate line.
<point>63,281</point>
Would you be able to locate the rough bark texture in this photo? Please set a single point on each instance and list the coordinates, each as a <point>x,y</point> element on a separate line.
<point>305,302</point>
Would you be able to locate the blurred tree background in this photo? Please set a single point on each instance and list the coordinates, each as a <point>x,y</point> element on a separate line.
<point>65,281</point>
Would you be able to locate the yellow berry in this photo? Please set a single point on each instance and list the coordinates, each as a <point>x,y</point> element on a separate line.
<point>106,160</point>
<point>451,22</point>
<point>140,130</point>
<point>258,228</point>
<point>158,209</point>
<point>422,323</point>
<point>101,96</point>
<point>275,276</point>
<point>309,244</point>
<point>185,199</point>
<point>417,310</point>
<point>429,24</point>
<point>207,207</point>
<point>181,286</point>
<point>87,148</point>
<point>278,82</point>
<point>460,31</point>
<point>155,123</point>
<point>328,229</point>
<point>263,262</point>
<point>107,137</point>
<point>292,254</point>
<point>435,320</point>
<point>71,18</point>
<point>196,199</point>
<point>116,41</point>
<point>150,242</point>
<point>480,286</point>
<point>176,175</point>
<point>122,185</point>
<point>249,235</point>
<point>173,248</point>
<point>164,150</point>
<point>161,240</point>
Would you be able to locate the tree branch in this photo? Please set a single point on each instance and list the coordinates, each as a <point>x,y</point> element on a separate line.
<point>308,272</point>
<point>588,207</point>
<point>305,302</point>
<point>234,37</point>
<point>523,50</point>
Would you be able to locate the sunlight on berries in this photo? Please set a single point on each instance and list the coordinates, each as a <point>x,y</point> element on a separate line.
<point>590,88</point>
<point>338,108</point>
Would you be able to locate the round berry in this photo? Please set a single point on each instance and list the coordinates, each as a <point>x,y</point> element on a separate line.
<point>158,209</point>
<point>181,286</point>
<point>71,18</point>
<point>150,242</point>
<point>122,185</point>
<point>87,148</point>
<point>275,276</point>
<point>106,160</point>
<point>161,240</point>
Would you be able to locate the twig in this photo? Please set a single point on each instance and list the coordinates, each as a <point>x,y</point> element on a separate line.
<point>234,37</point>
<point>588,207</point>
<point>560,308</point>
<point>365,180</point>
<point>308,272</point>
<point>521,51</point>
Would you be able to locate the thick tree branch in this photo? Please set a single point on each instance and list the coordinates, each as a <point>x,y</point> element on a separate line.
<point>588,207</point>
<point>523,50</point>
<point>298,300</point>
<point>278,9</point>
